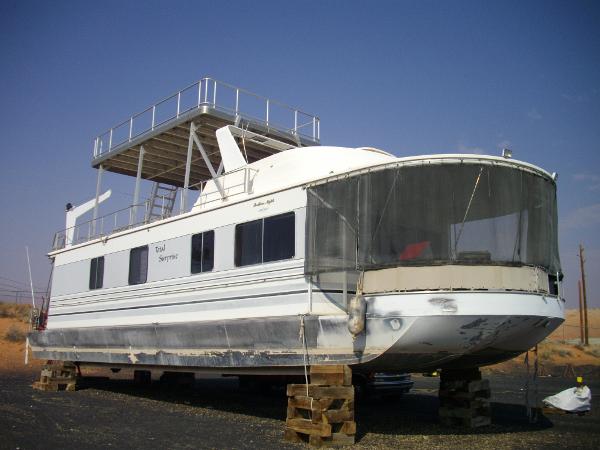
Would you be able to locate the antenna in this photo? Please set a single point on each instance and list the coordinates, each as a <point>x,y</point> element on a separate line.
<point>30,278</point>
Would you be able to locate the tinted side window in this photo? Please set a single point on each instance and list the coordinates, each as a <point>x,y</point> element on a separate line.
<point>264,240</point>
<point>96,272</point>
<point>138,265</point>
<point>248,243</point>
<point>208,251</point>
<point>203,250</point>
<point>279,237</point>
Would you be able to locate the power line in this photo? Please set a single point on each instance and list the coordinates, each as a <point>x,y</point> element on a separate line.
<point>18,283</point>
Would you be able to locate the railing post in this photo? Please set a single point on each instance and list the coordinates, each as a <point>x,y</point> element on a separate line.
<point>314,127</point>
<point>319,129</point>
<point>110,140</point>
<point>153,115</point>
<point>199,93</point>
<point>214,93</point>
<point>237,101</point>
<point>267,112</point>
<point>178,102</point>
<point>295,121</point>
<point>96,147</point>
<point>206,90</point>
<point>130,127</point>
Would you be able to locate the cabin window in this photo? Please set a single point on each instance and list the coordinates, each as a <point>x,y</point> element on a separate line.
<point>264,240</point>
<point>203,251</point>
<point>96,272</point>
<point>138,265</point>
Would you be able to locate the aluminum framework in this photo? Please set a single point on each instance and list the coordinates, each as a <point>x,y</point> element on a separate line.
<point>163,130</point>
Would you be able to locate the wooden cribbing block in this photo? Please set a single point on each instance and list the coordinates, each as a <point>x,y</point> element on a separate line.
<point>465,386</point>
<point>306,426</point>
<point>464,398</point>
<point>57,376</point>
<point>335,375</point>
<point>322,413</point>
<point>321,392</point>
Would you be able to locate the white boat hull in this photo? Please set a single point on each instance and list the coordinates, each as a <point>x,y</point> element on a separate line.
<point>404,332</point>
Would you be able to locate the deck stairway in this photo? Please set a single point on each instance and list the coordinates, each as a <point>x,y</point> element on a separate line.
<point>162,202</point>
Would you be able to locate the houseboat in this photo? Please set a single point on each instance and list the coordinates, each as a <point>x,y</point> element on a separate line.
<point>261,251</point>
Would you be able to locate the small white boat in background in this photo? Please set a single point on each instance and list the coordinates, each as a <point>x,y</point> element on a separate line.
<point>294,253</point>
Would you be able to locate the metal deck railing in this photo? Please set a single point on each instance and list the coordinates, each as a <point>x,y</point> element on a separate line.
<point>234,183</point>
<point>219,96</point>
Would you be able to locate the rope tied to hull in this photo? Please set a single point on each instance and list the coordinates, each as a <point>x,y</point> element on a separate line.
<point>302,338</point>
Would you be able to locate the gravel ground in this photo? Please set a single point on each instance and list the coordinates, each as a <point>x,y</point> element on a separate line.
<point>217,414</point>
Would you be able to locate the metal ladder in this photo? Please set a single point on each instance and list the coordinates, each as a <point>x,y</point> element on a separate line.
<point>162,201</point>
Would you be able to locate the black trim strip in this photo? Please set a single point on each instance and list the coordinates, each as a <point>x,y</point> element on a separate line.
<point>325,291</point>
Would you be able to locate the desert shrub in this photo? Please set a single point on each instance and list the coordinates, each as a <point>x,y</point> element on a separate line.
<point>564,353</point>
<point>594,352</point>
<point>14,334</point>
<point>579,346</point>
<point>12,310</point>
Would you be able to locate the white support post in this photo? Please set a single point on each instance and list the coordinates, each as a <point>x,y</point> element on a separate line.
<point>209,165</point>
<point>96,201</point>
<point>136,191</point>
<point>188,165</point>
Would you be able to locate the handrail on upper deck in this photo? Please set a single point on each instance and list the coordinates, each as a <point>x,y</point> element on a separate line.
<point>204,93</point>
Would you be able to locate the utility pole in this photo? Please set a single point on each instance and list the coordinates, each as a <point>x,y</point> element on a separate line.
<point>581,332</point>
<point>583,295</point>
<point>581,327</point>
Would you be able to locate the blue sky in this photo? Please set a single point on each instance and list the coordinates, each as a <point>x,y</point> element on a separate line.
<point>409,77</point>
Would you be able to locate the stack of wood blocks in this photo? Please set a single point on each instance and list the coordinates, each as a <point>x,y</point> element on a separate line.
<point>324,416</point>
<point>464,399</point>
<point>57,376</point>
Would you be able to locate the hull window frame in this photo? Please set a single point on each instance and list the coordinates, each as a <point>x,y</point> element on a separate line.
<point>96,273</point>
<point>138,265</point>
<point>202,252</point>
<point>275,233</point>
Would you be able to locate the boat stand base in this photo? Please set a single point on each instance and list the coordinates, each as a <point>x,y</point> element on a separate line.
<point>322,412</point>
<point>57,376</point>
<point>464,398</point>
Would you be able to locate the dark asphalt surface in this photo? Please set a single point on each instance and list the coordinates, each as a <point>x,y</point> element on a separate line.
<point>215,413</point>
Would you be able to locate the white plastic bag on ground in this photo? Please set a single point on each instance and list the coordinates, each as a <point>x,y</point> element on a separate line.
<point>577,399</point>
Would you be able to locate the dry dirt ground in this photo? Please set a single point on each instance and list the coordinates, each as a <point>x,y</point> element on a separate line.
<point>216,413</point>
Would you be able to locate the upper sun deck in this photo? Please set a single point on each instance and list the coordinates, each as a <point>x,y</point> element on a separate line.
<point>163,132</point>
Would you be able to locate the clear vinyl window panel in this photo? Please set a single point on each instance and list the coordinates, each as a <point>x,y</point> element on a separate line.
<point>203,251</point>
<point>265,240</point>
<point>138,265</point>
<point>433,214</point>
<point>96,273</point>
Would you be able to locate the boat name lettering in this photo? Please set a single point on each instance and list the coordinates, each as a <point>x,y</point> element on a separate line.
<point>268,202</point>
<point>168,258</point>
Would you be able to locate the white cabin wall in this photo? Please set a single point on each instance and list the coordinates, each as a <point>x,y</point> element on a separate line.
<point>116,269</point>
<point>171,282</point>
<point>169,259</point>
<point>224,239</point>
<point>71,278</point>
<point>300,232</point>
